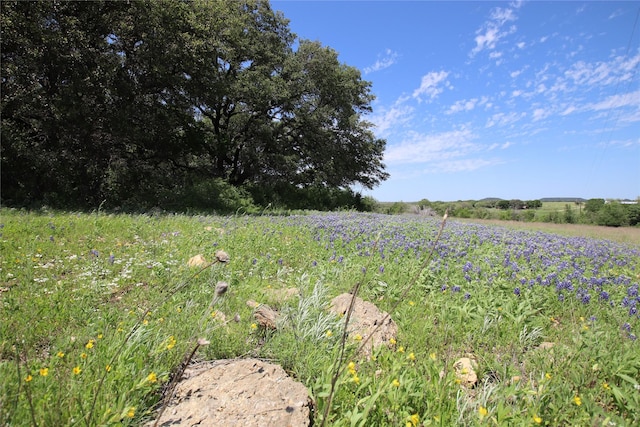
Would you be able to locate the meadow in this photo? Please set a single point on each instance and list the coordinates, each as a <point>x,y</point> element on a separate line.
<point>97,312</point>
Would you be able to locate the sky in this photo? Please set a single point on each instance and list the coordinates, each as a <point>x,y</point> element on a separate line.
<point>516,100</point>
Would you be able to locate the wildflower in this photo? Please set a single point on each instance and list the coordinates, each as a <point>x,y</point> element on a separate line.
<point>392,341</point>
<point>482,411</point>
<point>254,326</point>
<point>28,378</point>
<point>355,379</point>
<point>537,419</point>
<point>329,334</point>
<point>90,344</point>
<point>83,355</point>
<point>395,383</point>
<point>413,421</point>
<point>606,386</point>
<point>401,349</point>
<point>221,288</point>
<point>577,400</point>
<point>60,355</point>
<point>44,372</point>
<point>358,337</point>
<point>411,357</point>
<point>152,378</point>
<point>100,336</point>
<point>547,376</point>
<point>77,370</point>
<point>132,412</point>
<point>108,368</point>
<point>432,356</point>
<point>352,368</point>
<point>171,343</point>
<point>222,256</point>
<point>411,303</point>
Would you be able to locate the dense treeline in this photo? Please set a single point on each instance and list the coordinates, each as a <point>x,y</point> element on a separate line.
<point>204,104</point>
<point>593,211</point>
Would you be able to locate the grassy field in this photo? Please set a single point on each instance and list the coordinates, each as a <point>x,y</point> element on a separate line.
<point>98,311</point>
<point>629,235</point>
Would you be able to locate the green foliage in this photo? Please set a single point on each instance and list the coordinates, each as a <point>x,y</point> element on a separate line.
<point>612,214</point>
<point>138,103</point>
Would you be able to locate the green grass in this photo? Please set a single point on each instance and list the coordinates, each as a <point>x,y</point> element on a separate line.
<point>98,311</point>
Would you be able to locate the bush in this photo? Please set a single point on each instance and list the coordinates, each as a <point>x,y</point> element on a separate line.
<point>612,214</point>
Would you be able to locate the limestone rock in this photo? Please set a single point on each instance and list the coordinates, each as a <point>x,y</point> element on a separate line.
<point>364,320</point>
<point>245,392</point>
<point>465,368</point>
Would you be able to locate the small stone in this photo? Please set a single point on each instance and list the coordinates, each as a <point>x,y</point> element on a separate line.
<point>196,261</point>
<point>465,368</point>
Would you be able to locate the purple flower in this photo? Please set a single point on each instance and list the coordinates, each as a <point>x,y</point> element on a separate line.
<point>467,295</point>
<point>516,291</point>
<point>381,269</point>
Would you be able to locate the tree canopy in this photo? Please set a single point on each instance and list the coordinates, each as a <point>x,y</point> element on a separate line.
<point>143,102</point>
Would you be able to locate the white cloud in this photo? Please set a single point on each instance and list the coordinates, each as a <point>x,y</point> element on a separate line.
<point>502,119</point>
<point>384,61</point>
<point>540,113</point>
<point>463,105</point>
<point>394,116</point>
<point>421,148</point>
<point>521,45</point>
<point>631,99</point>
<point>492,30</point>
<point>617,70</point>
<point>430,84</point>
<point>463,165</point>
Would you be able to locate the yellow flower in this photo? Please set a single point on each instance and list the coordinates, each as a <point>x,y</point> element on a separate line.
<point>392,341</point>
<point>89,345</point>
<point>77,370</point>
<point>547,376</point>
<point>28,378</point>
<point>152,378</point>
<point>100,336</point>
<point>411,303</point>
<point>400,349</point>
<point>108,368</point>
<point>358,337</point>
<point>577,400</point>
<point>482,411</point>
<point>60,355</point>
<point>411,357</point>
<point>171,343</point>
<point>132,412</point>
<point>414,420</point>
<point>355,379</point>
<point>606,386</point>
<point>83,355</point>
<point>254,326</point>
<point>44,372</point>
<point>395,383</point>
<point>432,356</point>
<point>329,334</point>
<point>537,419</point>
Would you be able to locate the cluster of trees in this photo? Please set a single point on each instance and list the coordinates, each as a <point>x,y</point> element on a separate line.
<point>208,104</point>
<point>593,211</point>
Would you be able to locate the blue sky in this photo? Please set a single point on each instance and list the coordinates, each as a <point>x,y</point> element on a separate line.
<point>493,99</point>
